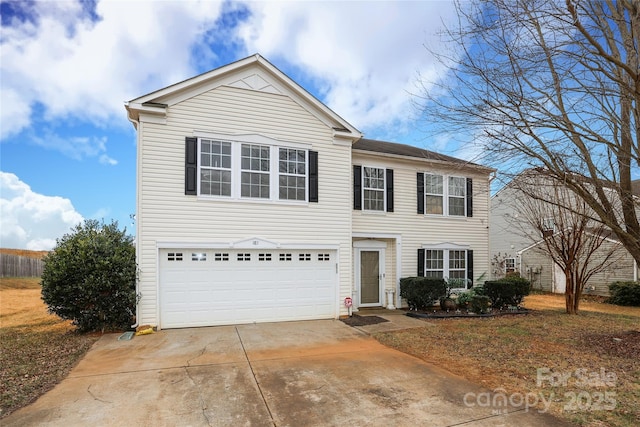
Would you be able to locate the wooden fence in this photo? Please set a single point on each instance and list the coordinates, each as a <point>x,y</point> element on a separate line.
<point>20,266</point>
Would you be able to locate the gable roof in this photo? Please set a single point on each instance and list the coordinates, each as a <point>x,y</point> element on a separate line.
<point>157,102</point>
<point>403,150</point>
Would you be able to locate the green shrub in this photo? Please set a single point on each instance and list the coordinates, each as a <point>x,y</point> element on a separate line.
<point>480,304</point>
<point>464,298</point>
<point>624,293</point>
<point>90,277</point>
<point>422,292</point>
<point>506,291</point>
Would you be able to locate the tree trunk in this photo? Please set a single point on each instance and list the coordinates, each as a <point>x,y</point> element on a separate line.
<point>570,297</point>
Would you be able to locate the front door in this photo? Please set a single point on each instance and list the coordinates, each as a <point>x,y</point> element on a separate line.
<point>371,277</point>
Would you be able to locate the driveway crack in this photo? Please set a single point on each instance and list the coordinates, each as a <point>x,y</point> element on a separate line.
<point>255,379</point>
<point>95,397</point>
<point>202,404</point>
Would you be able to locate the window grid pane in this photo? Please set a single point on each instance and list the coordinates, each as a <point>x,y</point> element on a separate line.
<point>292,182</point>
<point>373,185</point>
<point>434,194</point>
<point>255,184</point>
<point>434,263</point>
<point>215,168</point>
<point>457,193</point>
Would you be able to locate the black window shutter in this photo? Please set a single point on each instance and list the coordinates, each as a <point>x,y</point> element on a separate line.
<point>357,188</point>
<point>191,166</point>
<point>469,269</point>
<point>420,192</point>
<point>420,262</point>
<point>313,176</point>
<point>469,197</point>
<point>389,190</point>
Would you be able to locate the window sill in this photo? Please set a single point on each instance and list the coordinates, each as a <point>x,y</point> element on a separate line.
<point>252,201</point>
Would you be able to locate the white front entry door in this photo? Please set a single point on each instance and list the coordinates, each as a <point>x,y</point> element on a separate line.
<point>370,277</point>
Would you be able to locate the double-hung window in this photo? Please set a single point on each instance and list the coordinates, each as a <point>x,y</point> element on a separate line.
<point>434,193</point>
<point>457,264</point>
<point>444,195</point>
<point>457,195</point>
<point>434,263</point>
<point>292,179</point>
<point>450,263</point>
<point>215,168</point>
<point>255,166</point>
<point>509,265</point>
<point>373,188</point>
<point>255,170</point>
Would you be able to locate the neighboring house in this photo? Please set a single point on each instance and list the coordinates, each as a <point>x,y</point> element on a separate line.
<point>256,203</point>
<point>515,247</point>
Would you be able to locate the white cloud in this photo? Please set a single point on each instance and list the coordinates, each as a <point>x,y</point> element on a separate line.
<point>366,55</point>
<point>71,64</point>
<point>31,220</point>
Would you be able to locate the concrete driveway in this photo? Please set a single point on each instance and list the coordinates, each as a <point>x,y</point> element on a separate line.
<point>310,373</point>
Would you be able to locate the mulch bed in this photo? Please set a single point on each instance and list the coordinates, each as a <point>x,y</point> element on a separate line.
<point>625,344</point>
<point>439,314</point>
<point>356,320</point>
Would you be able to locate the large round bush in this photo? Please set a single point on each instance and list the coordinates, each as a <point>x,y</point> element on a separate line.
<point>90,277</point>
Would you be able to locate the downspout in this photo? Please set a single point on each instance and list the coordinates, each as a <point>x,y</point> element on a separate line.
<point>136,124</point>
<point>635,270</point>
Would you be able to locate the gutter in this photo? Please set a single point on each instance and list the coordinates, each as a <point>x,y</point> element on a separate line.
<point>136,124</point>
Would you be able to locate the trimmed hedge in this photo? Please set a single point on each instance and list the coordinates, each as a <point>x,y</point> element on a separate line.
<point>624,293</point>
<point>422,292</point>
<point>507,291</point>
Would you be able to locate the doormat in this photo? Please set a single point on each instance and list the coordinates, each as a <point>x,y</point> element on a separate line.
<point>356,320</point>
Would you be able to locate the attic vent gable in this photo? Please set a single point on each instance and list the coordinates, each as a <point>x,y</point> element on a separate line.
<point>255,82</point>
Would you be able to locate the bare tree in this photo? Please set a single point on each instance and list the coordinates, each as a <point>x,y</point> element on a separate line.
<point>565,231</point>
<point>552,84</point>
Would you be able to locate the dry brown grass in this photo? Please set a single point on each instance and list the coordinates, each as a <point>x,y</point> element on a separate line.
<point>505,352</point>
<point>37,349</point>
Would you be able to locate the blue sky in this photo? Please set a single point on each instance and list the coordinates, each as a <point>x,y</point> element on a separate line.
<point>67,149</point>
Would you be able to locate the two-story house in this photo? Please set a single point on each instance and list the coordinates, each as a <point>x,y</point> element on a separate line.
<point>518,247</point>
<point>257,203</point>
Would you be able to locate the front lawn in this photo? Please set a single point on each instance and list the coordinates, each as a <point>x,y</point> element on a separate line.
<point>37,349</point>
<point>539,355</point>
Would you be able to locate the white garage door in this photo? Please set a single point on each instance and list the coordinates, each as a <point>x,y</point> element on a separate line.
<point>201,287</point>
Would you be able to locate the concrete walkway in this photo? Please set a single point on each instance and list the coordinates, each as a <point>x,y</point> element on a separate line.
<point>315,373</point>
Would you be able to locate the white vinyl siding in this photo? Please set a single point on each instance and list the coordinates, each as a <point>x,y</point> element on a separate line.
<point>165,214</point>
<point>415,230</point>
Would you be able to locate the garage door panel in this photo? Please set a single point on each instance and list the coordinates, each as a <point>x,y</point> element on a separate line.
<point>216,287</point>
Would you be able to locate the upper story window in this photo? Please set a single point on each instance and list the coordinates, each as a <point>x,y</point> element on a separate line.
<point>292,167</point>
<point>434,193</point>
<point>243,170</point>
<point>373,189</point>
<point>215,168</point>
<point>255,166</point>
<point>457,195</point>
<point>444,195</point>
